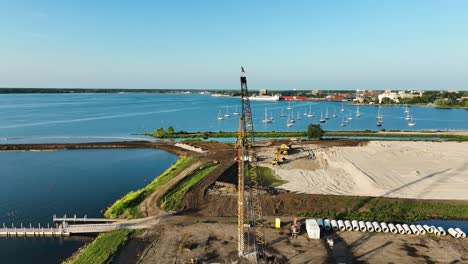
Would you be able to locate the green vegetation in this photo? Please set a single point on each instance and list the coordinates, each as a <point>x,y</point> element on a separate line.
<point>173,196</point>
<point>102,249</point>
<point>197,136</point>
<point>266,177</point>
<point>387,209</point>
<point>315,131</point>
<point>127,206</point>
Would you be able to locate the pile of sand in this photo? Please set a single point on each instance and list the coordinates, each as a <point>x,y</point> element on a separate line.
<point>423,170</point>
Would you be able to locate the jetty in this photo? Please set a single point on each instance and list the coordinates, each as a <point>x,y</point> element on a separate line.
<point>67,226</point>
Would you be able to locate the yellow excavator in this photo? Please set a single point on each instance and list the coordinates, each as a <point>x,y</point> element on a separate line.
<point>276,160</point>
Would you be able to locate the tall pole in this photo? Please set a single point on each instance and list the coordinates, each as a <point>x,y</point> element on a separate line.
<point>240,189</point>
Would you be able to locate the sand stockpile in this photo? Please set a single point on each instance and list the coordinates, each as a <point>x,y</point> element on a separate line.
<point>423,170</point>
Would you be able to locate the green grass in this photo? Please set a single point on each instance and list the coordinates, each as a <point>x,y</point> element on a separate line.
<point>172,198</point>
<point>387,209</point>
<point>102,249</point>
<point>127,206</point>
<point>266,177</point>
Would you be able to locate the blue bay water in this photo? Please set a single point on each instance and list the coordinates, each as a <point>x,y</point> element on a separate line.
<point>36,185</point>
<point>46,115</point>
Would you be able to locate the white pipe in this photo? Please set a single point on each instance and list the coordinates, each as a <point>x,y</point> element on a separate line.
<point>421,230</point>
<point>326,223</point>
<point>428,229</point>
<point>407,229</point>
<point>362,226</point>
<point>377,227</point>
<point>441,231</point>
<point>384,227</point>
<point>348,225</point>
<point>334,225</point>
<point>341,225</point>
<point>400,229</point>
<point>369,226</point>
<point>414,229</point>
<point>392,228</point>
<point>355,225</point>
<point>462,234</point>
<point>454,233</point>
<point>320,223</point>
<point>435,230</point>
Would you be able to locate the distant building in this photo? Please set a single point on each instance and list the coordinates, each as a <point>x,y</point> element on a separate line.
<point>262,92</point>
<point>293,98</point>
<point>316,92</point>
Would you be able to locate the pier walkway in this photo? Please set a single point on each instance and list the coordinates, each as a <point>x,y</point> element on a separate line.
<point>83,219</point>
<point>65,228</point>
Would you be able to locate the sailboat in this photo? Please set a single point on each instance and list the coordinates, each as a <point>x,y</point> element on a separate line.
<point>289,123</point>
<point>305,111</point>
<point>220,115</point>
<point>282,112</point>
<point>342,107</point>
<point>310,114</point>
<point>357,112</point>
<point>298,116</point>
<point>289,106</point>
<point>406,109</point>
<point>379,117</point>
<point>292,117</point>
<point>411,122</point>
<point>343,123</point>
<point>271,116</point>
<point>266,120</point>
<point>235,112</point>
<point>408,116</point>
<point>350,116</point>
<point>322,120</point>
<point>326,114</point>
<point>227,112</point>
<point>334,112</point>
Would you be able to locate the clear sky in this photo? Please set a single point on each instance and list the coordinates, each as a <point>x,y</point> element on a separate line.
<point>329,44</point>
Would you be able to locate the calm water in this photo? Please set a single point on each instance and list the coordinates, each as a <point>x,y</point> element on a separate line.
<point>36,185</point>
<point>123,114</point>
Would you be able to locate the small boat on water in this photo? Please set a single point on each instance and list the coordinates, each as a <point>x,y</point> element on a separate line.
<point>266,120</point>
<point>271,116</point>
<point>305,111</point>
<point>289,106</point>
<point>227,112</point>
<point>326,114</point>
<point>334,112</point>
<point>310,114</point>
<point>379,117</point>
<point>343,123</point>
<point>292,117</point>
<point>408,116</point>
<point>282,113</point>
<point>322,120</point>
<point>350,117</point>
<point>289,123</point>
<point>357,112</point>
<point>342,107</point>
<point>406,109</point>
<point>411,122</point>
<point>220,115</point>
<point>235,111</point>
<point>298,116</point>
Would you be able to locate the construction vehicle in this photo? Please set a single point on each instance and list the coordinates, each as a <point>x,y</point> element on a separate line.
<point>251,240</point>
<point>276,160</point>
<point>284,149</point>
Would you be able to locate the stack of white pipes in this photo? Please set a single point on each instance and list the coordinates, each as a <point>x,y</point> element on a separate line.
<point>355,225</point>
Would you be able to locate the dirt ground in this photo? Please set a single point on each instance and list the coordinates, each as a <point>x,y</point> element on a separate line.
<point>183,239</point>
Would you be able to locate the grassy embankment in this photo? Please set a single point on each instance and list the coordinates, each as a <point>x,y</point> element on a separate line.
<point>286,134</point>
<point>170,201</point>
<point>388,209</point>
<point>102,249</point>
<point>127,206</point>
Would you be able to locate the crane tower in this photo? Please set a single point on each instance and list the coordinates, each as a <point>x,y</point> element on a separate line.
<point>251,241</point>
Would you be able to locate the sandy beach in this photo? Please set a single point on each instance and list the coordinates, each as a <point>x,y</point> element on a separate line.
<point>422,170</point>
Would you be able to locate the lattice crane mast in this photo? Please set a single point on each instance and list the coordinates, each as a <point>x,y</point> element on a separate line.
<point>249,203</point>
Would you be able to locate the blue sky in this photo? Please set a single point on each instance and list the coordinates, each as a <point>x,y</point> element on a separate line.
<point>327,44</point>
